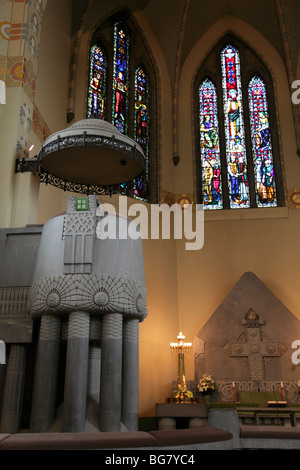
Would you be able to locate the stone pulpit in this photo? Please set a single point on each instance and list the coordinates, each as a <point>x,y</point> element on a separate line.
<point>85,294</point>
<point>91,293</point>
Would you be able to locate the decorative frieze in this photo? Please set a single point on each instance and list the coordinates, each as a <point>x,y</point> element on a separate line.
<point>13,302</point>
<point>95,294</point>
<point>225,389</point>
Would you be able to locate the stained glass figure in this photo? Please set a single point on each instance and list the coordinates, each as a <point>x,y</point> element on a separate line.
<point>141,126</point>
<point>234,129</point>
<point>261,144</point>
<point>120,77</point>
<point>209,145</point>
<point>97,83</point>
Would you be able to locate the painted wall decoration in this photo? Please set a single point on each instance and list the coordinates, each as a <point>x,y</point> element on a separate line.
<point>25,117</point>
<point>20,27</point>
<point>5,22</point>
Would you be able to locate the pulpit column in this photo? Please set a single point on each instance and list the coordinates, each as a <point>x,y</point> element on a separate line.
<point>93,385</point>
<point>45,380</point>
<point>130,374</point>
<point>76,373</point>
<point>111,373</point>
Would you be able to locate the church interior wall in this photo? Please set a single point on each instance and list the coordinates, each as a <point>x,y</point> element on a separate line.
<point>183,287</point>
<point>54,64</point>
<point>233,243</point>
<point>52,89</point>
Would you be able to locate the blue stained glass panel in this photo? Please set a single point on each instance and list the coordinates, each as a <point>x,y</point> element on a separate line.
<point>261,144</point>
<point>209,146</point>
<point>141,127</point>
<point>234,129</point>
<point>120,78</point>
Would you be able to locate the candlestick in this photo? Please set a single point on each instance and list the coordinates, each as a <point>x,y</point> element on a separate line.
<point>179,350</point>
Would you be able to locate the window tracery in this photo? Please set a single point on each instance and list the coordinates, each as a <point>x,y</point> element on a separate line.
<point>238,153</point>
<point>119,91</point>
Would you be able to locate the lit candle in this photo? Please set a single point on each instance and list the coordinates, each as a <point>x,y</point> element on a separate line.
<point>233,391</point>
<point>282,392</point>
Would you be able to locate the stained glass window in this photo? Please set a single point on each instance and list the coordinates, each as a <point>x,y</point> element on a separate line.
<point>97,83</point>
<point>234,129</point>
<point>119,92</point>
<point>141,125</point>
<point>120,77</point>
<point>261,143</point>
<point>237,141</point>
<point>209,146</point>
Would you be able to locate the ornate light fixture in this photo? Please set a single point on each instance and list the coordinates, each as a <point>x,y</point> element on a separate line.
<point>179,350</point>
<point>91,157</point>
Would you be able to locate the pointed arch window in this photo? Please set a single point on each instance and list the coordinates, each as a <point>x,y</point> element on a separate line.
<point>119,91</point>
<point>238,167</point>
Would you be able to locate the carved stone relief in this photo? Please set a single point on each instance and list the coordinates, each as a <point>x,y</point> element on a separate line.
<point>254,348</point>
<point>97,294</point>
<point>248,340</point>
<point>13,302</point>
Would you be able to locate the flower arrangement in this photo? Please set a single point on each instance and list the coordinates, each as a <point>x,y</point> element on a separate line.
<point>183,395</point>
<point>206,385</point>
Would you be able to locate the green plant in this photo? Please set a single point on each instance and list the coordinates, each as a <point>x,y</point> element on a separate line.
<point>183,395</point>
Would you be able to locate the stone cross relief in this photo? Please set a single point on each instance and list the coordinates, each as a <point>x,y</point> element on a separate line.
<point>253,347</point>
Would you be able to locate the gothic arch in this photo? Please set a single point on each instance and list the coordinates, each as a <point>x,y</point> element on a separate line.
<point>267,54</point>
<point>251,65</point>
<point>140,56</point>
